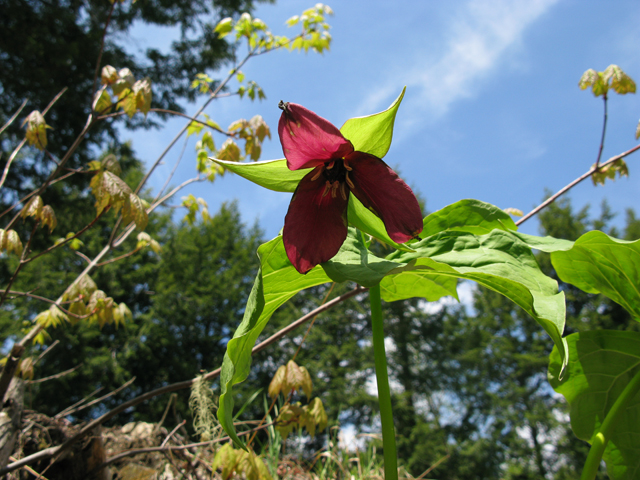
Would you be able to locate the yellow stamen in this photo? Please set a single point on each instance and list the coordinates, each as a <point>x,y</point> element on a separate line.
<point>346,165</point>
<point>343,191</point>
<point>349,182</point>
<point>327,186</point>
<point>317,175</point>
<point>334,189</point>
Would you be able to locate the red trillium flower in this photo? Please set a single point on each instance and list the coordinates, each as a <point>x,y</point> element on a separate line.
<point>316,224</point>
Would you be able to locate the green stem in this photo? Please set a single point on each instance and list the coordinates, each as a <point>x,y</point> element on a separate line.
<point>601,438</point>
<point>384,393</point>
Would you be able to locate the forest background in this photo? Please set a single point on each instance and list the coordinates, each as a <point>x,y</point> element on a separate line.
<point>457,370</point>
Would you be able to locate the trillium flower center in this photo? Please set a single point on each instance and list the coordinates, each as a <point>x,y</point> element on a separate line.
<point>336,176</point>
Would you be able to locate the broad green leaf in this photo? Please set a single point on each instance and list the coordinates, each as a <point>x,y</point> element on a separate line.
<point>277,281</point>
<point>601,364</point>
<point>372,134</point>
<point>355,263</point>
<point>598,263</point>
<point>469,215</point>
<point>498,260</point>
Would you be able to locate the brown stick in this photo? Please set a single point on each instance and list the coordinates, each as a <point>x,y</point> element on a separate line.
<point>57,375</point>
<point>582,177</point>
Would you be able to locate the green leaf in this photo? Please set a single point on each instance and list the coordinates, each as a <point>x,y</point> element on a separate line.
<point>499,260</point>
<point>277,281</point>
<point>620,81</point>
<point>271,174</point>
<point>598,263</point>
<point>471,216</point>
<point>354,262</point>
<point>102,101</point>
<point>372,134</point>
<point>601,365</point>
<point>224,27</point>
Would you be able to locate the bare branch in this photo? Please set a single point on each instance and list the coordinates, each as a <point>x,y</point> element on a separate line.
<point>53,377</point>
<point>14,116</point>
<point>565,189</point>
<point>72,409</point>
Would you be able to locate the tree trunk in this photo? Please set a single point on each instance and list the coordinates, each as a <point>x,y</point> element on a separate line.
<point>11,419</point>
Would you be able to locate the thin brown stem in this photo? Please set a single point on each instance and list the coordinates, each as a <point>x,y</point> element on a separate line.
<point>104,34</point>
<point>604,132</point>
<point>113,260</point>
<point>568,187</point>
<point>53,377</point>
<point>77,408</point>
<point>53,302</point>
<point>67,240</point>
<point>13,155</point>
<point>14,116</point>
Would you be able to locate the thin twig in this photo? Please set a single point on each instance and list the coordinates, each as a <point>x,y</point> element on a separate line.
<point>53,377</point>
<point>604,131</point>
<point>172,433</point>
<point>115,259</point>
<point>72,409</point>
<point>104,34</point>
<point>30,470</point>
<point>582,177</point>
<point>63,412</point>
<point>14,116</point>
<point>173,170</point>
<point>47,350</point>
<point>67,240</point>
<point>11,158</point>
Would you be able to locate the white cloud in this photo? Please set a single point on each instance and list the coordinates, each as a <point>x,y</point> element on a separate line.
<point>479,36</point>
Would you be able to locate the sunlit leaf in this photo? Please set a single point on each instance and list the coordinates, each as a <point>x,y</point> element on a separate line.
<point>109,75</point>
<point>36,133</point>
<point>499,260</point>
<point>48,217</point>
<point>598,263</point>
<point>33,208</point>
<point>601,365</point>
<point>224,27</point>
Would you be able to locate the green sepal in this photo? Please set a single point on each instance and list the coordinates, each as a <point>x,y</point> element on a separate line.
<point>372,134</point>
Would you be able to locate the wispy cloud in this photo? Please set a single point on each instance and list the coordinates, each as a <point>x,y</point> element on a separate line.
<point>475,41</point>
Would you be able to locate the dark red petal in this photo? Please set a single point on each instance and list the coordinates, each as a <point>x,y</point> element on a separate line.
<point>315,226</point>
<point>309,140</point>
<point>380,189</point>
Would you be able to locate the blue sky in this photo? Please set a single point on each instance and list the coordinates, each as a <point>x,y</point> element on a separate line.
<point>492,109</point>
